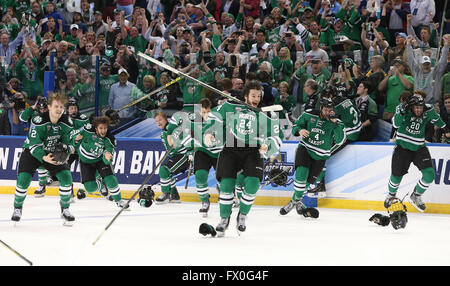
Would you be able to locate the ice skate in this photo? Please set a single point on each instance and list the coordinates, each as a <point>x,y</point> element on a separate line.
<point>67,217</point>
<point>388,200</point>
<point>318,191</point>
<point>416,201</point>
<point>222,226</point>
<point>162,199</point>
<point>204,209</point>
<point>40,191</point>
<point>17,214</point>
<point>240,226</point>
<point>288,207</point>
<point>175,197</point>
<point>123,204</point>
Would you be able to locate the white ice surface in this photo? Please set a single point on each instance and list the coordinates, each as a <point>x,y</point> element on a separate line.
<point>168,235</point>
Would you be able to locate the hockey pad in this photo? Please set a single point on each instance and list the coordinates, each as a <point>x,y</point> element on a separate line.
<point>206,229</point>
<point>380,219</point>
<point>397,214</point>
<point>61,153</point>
<point>308,212</point>
<point>278,177</point>
<point>146,196</point>
<point>113,116</point>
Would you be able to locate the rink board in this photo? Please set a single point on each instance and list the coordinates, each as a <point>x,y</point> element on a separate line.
<point>356,177</point>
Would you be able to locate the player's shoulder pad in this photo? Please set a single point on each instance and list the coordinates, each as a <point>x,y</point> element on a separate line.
<point>65,119</point>
<point>89,127</point>
<point>41,119</point>
<point>83,117</point>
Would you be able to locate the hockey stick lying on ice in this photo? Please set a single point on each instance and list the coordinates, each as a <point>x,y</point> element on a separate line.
<point>17,253</point>
<point>215,90</point>
<point>135,193</point>
<point>114,114</point>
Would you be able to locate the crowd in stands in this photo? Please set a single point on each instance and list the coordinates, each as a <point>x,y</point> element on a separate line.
<point>294,48</point>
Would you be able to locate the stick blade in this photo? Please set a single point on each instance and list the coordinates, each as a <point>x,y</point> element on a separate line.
<point>275,107</point>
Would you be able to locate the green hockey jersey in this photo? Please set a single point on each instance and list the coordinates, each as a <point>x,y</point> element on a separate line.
<point>194,129</point>
<point>350,116</point>
<point>245,128</point>
<point>92,147</point>
<point>44,135</point>
<point>411,129</point>
<point>324,136</point>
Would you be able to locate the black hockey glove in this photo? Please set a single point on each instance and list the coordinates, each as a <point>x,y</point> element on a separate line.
<point>380,219</point>
<point>277,176</point>
<point>206,229</point>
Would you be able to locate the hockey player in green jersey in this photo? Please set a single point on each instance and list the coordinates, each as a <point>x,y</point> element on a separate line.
<point>46,133</point>
<point>95,148</point>
<point>27,115</point>
<point>350,116</point>
<point>321,135</point>
<point>177,162</point>
<point>195,125</point>
<point>410,120</point>
<point>249,137</point>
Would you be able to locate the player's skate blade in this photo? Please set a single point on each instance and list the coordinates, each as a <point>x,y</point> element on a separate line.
<point>67,217</point>
<point>222,226</point>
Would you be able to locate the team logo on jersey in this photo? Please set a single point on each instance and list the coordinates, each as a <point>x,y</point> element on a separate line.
<point>88,126</point>
<point>82,116</point>
<point>37,119</point>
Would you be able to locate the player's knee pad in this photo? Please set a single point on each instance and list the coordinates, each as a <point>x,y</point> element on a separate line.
<point>251,185</point>
<point>24,180</point>
<point>201,177</point>
<point>91,186</point>
<point>428,175</point>
<point>301,173</point>
<point>164,172</point>
<point>227,185</point>
<point>111,181</point>
<point>64,178</point>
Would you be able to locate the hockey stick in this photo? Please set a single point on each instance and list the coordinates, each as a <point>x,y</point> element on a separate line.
<point>215,90</point>
<point>150,94</point>
<point>17,253</point>
<point>188,175</point>
<point>135,193</point>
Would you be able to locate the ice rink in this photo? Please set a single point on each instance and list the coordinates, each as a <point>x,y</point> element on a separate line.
<point>168,235</point>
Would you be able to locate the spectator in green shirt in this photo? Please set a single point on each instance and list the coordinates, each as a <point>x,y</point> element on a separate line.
<point>393,85</point>
<point>106,80</point>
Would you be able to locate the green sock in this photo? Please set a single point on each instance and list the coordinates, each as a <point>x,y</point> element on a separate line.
<point>201,184</point>
<point>300,184</point>
<point>394,183</point>
<point>65,187</point>
<point>165,179</point>
<point>113,186</point>
<point>22,184</point>
<point>425,181</point>
<point>226,196</point>
<point>42,176</point>
<point>321,176</point>
<point>251,185</point>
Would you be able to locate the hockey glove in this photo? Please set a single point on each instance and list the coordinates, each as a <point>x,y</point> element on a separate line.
<point>278,177</point>
<point>146,196</point>
<point>206,229</point>
<point>380,219</point>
